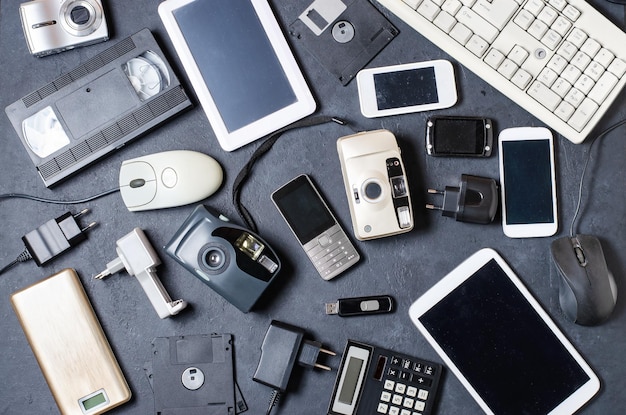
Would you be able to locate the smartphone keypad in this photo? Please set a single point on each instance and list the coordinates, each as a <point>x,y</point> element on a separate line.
<point>332,252</point>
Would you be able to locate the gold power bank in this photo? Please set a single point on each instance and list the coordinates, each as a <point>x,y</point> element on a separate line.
<point>70,346</point>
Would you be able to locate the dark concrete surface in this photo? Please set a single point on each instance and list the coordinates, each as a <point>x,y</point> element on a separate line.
<point>404,266</point>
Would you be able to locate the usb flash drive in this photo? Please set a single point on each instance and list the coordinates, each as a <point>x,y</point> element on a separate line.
<point>359,306</point>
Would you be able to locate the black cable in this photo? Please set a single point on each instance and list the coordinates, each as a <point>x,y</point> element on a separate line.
<point>23,257</point>
<point>57,202</point>
<point>582,176</point>
<point>273,401</point>
<point>258,153</point>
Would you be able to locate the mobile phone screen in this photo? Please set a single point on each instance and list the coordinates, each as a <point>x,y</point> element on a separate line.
<point>528,181</point>
<point>459,136</point>
<point>406,88</point>
<point>303,209</point>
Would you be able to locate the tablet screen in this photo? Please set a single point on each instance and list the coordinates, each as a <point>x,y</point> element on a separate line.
<point>502,346</point>
<point>236,60</point>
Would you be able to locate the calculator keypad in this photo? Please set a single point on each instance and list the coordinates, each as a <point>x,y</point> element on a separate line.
<point>407,387</point>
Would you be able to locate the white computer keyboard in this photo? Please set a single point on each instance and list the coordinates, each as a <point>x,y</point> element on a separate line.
<point>561,60</point>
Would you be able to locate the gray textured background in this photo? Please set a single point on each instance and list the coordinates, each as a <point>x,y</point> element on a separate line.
<point>404,266</point>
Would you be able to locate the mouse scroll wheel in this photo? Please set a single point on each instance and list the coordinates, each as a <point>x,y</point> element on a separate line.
<point>580,255</point>
<point>137,183</point>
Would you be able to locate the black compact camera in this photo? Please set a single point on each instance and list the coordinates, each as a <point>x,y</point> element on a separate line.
<point>232,260</point>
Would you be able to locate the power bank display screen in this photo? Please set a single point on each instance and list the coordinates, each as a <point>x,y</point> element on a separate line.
<point>303,209</point>
<point>236,60</point>
<point>502,346</point>
<point>406,88</point>
<point>527,181</point>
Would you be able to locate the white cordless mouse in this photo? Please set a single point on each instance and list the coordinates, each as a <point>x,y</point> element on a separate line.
<point>168,179</point>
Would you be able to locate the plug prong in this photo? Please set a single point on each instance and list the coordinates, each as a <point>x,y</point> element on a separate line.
<point>81,213</point>
<point>323,367</point>
<point>328,352</point>
<point>433,207</point>
<point>88,227</point>
<point>435,191</point>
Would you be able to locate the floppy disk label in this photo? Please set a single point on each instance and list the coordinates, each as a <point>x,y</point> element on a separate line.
<point>321,13</point>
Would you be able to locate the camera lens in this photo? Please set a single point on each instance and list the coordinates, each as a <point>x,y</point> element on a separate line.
<point>373,190</point>
<point>214,258</point>
<point>80,15</point>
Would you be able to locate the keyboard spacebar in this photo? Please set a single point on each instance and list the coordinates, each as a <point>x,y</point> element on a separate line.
<point>477,24</point>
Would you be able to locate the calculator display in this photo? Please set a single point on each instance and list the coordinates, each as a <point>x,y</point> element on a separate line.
<point>372,380</point>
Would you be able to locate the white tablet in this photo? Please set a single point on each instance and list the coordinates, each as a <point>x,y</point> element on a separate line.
<point>500,343</point>
<point>240,66</point>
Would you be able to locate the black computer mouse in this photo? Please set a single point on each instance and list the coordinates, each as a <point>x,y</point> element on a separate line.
<point>587,289</point>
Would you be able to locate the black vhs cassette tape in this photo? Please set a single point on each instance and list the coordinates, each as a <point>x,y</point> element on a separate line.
<point>343,35</point>
<point>98,107</point>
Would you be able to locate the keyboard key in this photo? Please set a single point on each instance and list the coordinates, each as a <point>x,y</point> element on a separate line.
<point>477,24</point>
<point>583,114</point>
<point>444,21</point>
<point>564,111</point>
<point>547,76</point>
<point>584,83</point>
<point>577,37</point>
<point>385,396</point>
<point>451,6</point>
<point>382,408</point>
<point>590,47</point>
<point>477,45</point>
<point>561,25</point>
<point>537,29</point>
<point>396,400</point>
<point>497,12</point>
<point>405,412</point>
<point>411,391</point>
<point>571,12</point>
<point>544,95</point>
<point>567,50</point>
<point>604,57</point>
<point>551,39</point>
<point>420,405</point>
<point>534,6</point>
<point>494,58</point>
<point>428,9</point>
<point>602,88</point>
<point>561,87</point>
<point>557,64</point>
<point>412,3</point>
<point>521,78</point>
<point>548,15</point>
<point>574,97</point>
<point>400,387</point>
<point>518,55</point>
<point>571,74</point>
<point>394,411</point>
<point>617,67</point>
<point>508,68</point>
<point>524,19</point>
<point>461,33</point>
<point>558,4</point>
<point>389,384</point>
<point>595,71</point>
<point>408,402</point>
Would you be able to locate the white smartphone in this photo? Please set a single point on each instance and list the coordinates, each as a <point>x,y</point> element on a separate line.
<point>311,221</point>
<point>527,180</point>
<point>402,89</point>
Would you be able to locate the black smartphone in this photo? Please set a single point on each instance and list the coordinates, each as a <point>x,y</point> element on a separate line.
<point>311,221</point>
<point>459,136</point>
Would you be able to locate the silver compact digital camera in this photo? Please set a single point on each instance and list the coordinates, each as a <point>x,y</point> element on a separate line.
<point>375,183</point>
<point>53,26</point>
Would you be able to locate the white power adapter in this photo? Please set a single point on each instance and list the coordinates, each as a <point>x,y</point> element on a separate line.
<point>138,257</point>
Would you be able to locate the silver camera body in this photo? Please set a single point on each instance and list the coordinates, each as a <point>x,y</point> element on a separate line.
<point>375,184</point>
<point>53,26</point>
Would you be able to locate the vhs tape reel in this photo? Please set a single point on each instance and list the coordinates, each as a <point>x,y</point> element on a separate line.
<point>98,107</point>
<point>343,35</point>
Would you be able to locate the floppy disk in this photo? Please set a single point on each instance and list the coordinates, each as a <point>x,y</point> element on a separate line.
<point>98,107</point>
<point>194,375</point>
<point>343,35</point>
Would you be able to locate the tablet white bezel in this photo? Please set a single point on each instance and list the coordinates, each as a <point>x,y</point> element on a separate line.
<point>527,230</point>
<point>229,141</point>
<point>444,83</point>
<point>459,275</point>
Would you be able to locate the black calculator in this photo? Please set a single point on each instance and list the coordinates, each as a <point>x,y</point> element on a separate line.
<point>372,380</point>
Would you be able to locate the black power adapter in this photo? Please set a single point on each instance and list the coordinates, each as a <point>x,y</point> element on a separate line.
<point>52,239</point>
<point>475,200</point>
<point>284,345</point>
